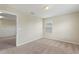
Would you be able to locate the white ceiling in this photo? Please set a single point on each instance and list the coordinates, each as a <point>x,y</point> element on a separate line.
<point>54,9</point>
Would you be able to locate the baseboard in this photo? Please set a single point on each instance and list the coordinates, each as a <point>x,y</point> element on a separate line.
<point>64,41</point>
<point>8,37</point>
<point>29,41</point>
<point>12,36</point>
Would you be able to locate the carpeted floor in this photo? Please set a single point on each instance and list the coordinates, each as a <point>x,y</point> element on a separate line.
<point>44,46</point>
<point>7,42</point>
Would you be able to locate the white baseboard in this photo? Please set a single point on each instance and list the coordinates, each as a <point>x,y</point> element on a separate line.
<point>65,41</point>
<point>37,38</point>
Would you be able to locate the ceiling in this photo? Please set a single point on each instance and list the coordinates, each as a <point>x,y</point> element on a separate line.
<point>38,9</point>
<point>54,9</point>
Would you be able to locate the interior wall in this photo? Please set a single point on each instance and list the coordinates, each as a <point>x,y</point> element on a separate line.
<point>3,6</point>
<point>64,28</point>
<point>7,28</point>
<point>29,27</point>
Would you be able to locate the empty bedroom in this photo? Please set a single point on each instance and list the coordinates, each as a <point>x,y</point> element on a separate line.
<point>41,28</point>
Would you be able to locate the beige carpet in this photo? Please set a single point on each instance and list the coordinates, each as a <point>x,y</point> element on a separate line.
<point>7,42</point>
<point>43,46</point>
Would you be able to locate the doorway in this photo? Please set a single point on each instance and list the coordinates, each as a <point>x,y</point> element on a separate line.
<point>7,30</point>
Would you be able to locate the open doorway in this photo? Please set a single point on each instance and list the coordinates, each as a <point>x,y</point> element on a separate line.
<point>7,30</point>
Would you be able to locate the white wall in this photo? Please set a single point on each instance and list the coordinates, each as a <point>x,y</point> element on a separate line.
<point>7,28</point>
<point>30,29</point>
<point>65,28</point>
